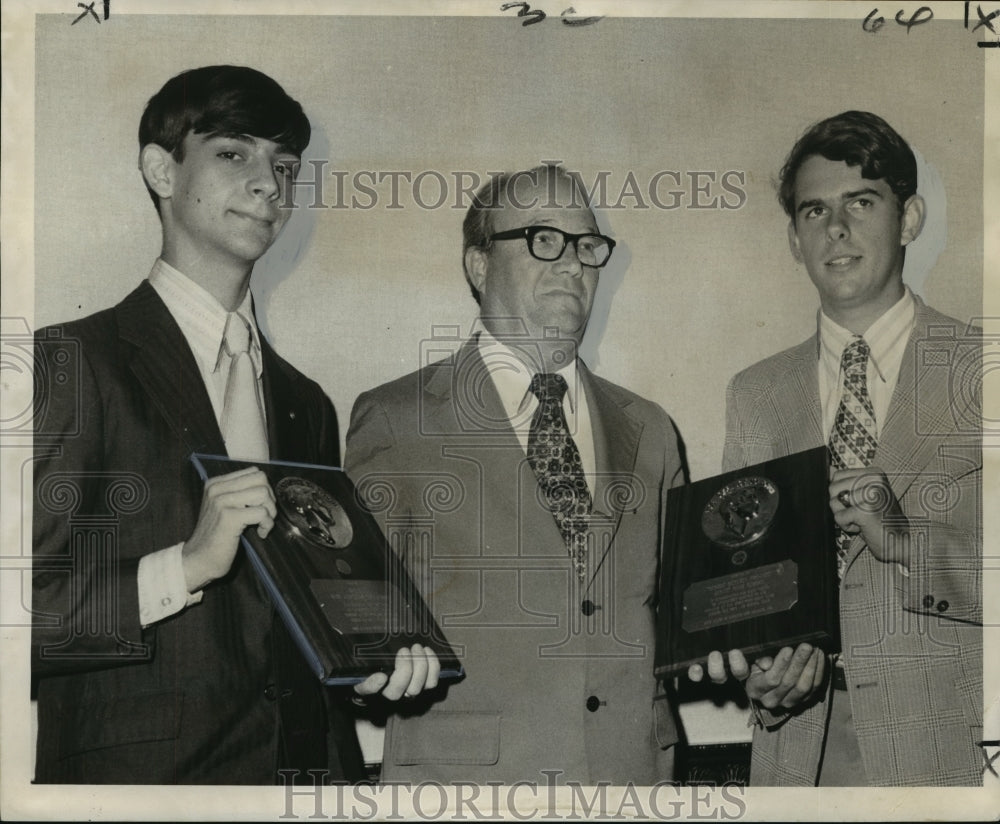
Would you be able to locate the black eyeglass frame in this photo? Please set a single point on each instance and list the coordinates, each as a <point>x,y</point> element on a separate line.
<point>528,234</point>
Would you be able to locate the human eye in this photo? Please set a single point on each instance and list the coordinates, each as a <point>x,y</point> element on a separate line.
<point>589,243</point>
<point>286,167</point>
<point>814,212</point>
<point>547,238</point>
<point>861,204</point>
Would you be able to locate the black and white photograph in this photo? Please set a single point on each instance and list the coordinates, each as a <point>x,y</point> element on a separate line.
<point>599,401</point>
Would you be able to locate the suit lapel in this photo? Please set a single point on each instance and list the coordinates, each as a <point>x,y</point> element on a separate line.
<point>459,398</point>
<point>460,403</point>
<point>287,422</point>
<point>795,408</point>
<point>616,442</point>
<point>166,370</point>
<point>901,451</point>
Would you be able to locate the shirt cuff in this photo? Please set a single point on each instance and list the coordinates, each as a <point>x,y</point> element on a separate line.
<point>162,587</point>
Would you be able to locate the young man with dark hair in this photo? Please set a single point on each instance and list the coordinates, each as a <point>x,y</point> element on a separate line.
<point>893,387</point>
<point>156,653</point>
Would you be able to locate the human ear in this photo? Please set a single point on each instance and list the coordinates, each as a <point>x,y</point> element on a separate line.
<point>912,219</point>
<point>793,241</point>
<point>157,165</point>
<point>476,267</point>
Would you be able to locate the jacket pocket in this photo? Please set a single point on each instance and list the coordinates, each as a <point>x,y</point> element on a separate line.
<point>148,716</point>
<point>442,737</point>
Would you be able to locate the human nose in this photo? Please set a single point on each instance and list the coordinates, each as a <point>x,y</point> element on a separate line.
<point>837,227</point>
<point>264,181</point>
<point>569,260</point>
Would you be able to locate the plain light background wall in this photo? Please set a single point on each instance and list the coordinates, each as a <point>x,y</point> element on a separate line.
<point>355,296</point>
<point>349,295</point>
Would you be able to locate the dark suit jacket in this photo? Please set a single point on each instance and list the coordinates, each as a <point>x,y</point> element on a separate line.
<point>912,644</point>
<point>215,694</point>
<point>558,677</point>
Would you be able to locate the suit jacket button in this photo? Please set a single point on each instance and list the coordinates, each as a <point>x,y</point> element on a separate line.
<point>587,607</point>
<point>593,703</point>
<point>271,692</point>
<point>928,601</point>
<point>942,606</point>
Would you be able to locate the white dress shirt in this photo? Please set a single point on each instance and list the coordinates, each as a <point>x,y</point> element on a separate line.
<point>202,320</point>
<point>886,339</point>
<point>512,379</point>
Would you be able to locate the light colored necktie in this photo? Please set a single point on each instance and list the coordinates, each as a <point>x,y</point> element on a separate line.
<point>853,440</point>
<point>555,459</point>
<point>242,417</point>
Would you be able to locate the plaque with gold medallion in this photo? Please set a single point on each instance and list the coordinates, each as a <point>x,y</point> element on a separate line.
<point>343,594</point>
<point>748,563</point>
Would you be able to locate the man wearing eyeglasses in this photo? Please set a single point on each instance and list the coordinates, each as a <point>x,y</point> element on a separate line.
<point>526,497</point>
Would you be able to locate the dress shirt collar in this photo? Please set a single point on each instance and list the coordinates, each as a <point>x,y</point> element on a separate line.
<point>512,378</point>
<point>886,338</point>
<point>200,316</point>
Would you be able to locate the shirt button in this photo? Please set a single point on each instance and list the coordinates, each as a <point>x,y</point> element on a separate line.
<point>166,601</point>
<point>587,607</point>
<point>942,606</point>
<point>271,692</point>
<point>928,601</point>
<point>593,703</point>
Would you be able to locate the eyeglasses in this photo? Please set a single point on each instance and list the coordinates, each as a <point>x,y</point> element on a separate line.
<point>549,243</point>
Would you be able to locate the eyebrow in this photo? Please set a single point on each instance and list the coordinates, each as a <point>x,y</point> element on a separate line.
<point>249,140</point>
<point>239,136</point>
<point>550,221</point>
<point>808,204</point>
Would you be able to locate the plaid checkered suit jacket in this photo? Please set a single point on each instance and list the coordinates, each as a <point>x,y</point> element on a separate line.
<point>912,643</point>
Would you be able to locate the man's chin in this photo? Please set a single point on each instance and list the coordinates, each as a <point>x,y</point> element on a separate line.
<point>563,325</point>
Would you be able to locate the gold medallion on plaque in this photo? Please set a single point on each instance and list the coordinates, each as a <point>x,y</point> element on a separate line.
<point>740,514</point>
<point>313,513</point>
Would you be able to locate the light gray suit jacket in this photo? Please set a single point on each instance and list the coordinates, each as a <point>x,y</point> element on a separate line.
<point>559,675</point>
<point>912,644</point>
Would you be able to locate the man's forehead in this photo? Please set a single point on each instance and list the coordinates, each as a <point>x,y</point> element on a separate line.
<point>544,214</point>
<point>821,177</point>
<point>543,201</point>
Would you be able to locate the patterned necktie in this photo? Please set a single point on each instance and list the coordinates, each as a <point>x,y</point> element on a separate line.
<point>556,462</point>
<point>242,418</point>
<point>853,441</point>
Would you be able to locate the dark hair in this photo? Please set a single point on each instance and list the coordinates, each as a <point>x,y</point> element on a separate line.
<point>227,100</point>
<point>478,224</point>
<point>858,139</point>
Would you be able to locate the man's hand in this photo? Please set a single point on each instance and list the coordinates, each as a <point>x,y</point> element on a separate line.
<point>789,679</point>
<point>229,504</point>
<point>417,669</point>
<point>863,501</point>
<point>738,667</point>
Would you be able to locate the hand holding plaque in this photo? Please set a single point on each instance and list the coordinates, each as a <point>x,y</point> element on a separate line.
<point>748,564</point>
<point>342,592</point>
